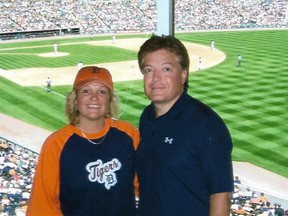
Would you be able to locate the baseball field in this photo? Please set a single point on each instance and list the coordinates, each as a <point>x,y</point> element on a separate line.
<point>252,99</point>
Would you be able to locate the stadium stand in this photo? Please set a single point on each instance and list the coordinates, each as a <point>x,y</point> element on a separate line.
<point>247,202</point>
<point>17,166</point>
<point>32,18</point>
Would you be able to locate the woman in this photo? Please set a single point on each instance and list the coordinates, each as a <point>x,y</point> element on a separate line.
<point>87,167</point>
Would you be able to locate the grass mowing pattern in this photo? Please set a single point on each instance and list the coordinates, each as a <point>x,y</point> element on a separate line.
<point>33,105</point>
<point>28,57</point>
<point>252,99</point>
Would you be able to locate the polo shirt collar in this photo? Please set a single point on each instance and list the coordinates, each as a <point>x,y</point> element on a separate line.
<point>175,111</point>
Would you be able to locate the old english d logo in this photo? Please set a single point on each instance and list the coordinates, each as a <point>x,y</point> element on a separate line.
<point>96,70</point>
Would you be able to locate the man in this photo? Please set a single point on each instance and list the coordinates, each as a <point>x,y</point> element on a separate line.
<point>278,210</point>
<point>48,84</point>
<point>183,161</point>
<point>239,60</point>
<point>212,44</point>
<point>80,65</point>
<point>237,180</point>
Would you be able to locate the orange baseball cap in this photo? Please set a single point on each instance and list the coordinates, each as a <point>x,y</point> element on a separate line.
<point>90,74</point>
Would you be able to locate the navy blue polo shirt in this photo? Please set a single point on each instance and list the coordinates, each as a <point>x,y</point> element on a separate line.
<point>183,157</point>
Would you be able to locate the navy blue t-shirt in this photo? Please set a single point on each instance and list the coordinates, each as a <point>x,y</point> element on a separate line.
<point>108,190</point>
<point>183,157</point>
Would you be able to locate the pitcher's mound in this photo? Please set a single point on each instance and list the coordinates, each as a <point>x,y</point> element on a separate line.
<point>53,54</point>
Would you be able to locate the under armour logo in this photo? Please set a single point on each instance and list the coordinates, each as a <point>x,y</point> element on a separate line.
<point>168,140</point>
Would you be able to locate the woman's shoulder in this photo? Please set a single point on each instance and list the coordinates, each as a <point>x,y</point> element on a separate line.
<point>64,130</point>
<point>62,133</point>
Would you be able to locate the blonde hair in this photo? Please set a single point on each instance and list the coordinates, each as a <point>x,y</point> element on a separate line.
<point>72,112</point>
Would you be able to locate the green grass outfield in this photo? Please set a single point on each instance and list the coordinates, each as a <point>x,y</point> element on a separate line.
<point>252,99</point>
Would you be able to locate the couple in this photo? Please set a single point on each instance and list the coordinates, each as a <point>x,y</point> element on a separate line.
<point>183,161</point>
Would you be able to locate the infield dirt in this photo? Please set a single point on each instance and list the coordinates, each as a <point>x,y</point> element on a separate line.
<point>121,71</point>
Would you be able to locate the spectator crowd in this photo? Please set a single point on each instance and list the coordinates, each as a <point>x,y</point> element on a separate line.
<point>17,166</point>
<point>251,203</point>
<point>111,16</point>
